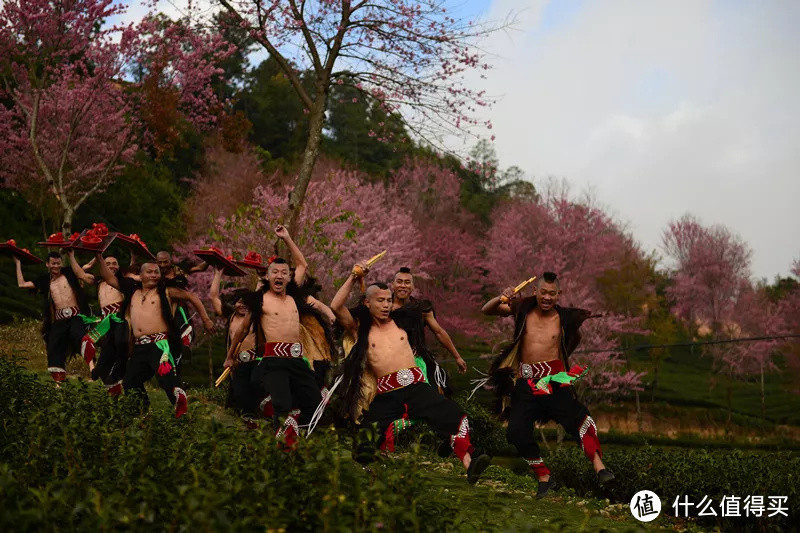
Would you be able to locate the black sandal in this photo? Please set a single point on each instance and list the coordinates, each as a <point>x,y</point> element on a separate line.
<point>544,488</point>
<point>476,467</point>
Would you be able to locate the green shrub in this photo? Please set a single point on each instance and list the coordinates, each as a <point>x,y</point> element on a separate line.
<point>695,473</point>
<point>75,459</point>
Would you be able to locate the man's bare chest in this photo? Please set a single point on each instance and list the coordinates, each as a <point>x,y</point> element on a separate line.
<point>279,309</point>
<point>145,302</point>
<point>60,286</point>
<point>542,329</point>
<point>387,338</point>
<point>108,294</point>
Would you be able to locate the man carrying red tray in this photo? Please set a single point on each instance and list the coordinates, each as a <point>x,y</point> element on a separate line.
<point>113,327</point>
<point>174,276</point>
<point>66,312</point>
<point>156,340</point>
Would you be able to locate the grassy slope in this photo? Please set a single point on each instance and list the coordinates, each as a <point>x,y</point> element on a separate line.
<point>502,499</point>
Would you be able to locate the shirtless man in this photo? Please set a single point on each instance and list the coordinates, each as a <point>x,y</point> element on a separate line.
<point>545,334</point>
<point>156,339</point>
<point>174,276</point>
<point>402,289</point>
<point>382,348</point>
<point>247,394</point>
<point>113,327</point>
<point>65,306</point>
<point>282,368</point>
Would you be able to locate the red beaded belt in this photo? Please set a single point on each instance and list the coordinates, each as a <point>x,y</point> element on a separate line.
<point>283,349</point>
<point>67,312</point>
<point>540,369</point>
<point>401,378</point>
<point>247,355</point>
<point>149,339</point>
<point>111,308</point>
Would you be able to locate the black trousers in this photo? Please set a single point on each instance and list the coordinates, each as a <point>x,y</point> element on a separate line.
<point>247,389</point>
<point>292,385</point>
<point>111,364</point>
<point>527,408</point>
<point>142,366</point>
<point>64,338</point>
<point>419,401</point>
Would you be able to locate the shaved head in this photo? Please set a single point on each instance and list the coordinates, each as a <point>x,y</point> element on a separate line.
<point>150,274</point>
<point>163,260</point>
<point>378,299</point>
<point>374,288</point>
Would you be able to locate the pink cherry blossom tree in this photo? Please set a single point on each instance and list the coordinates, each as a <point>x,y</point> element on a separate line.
<point>711,266</point>
<point>408,56</point>
<point>72,118</point>
<point>67,127</point>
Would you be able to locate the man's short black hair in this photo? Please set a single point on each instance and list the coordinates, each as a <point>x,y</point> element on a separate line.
<point>548,277</point>
<point>237,294</point>
<point>53,255</point>
<point>279,261</point>
<point>404,270</point>
<point>143,265</point>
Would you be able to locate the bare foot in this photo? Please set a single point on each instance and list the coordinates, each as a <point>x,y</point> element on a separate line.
<point>597,463</point>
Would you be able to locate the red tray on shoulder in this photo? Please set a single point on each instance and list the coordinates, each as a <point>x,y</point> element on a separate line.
<point>83,242</point>
<point>255,261</point>
<point>216,259</point>
<point>136,245</point>
<point>58,240</point>
<point>24,255</point>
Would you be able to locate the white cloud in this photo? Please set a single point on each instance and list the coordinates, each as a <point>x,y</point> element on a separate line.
<point>661,108</point>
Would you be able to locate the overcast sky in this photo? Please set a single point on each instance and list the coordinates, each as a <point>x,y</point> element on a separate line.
<point>659,108</point>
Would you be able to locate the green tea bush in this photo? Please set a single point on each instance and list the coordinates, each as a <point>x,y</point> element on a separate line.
<point>75,459</point>
<point>695,473</point>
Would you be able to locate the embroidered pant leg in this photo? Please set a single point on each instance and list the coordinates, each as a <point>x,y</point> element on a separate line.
<point>64,337</point>
<point>77,330</point>
<point>138,371</point>
<point>383,411</point>
<point>526,409</point>
<point>258,386</point>
<point>445,416</point>
<point>142,366</point>
<point>275,378</point>
<point>305,390</point>
<point>576,420</point>
<point>244,394</point>
<point>110,366</point>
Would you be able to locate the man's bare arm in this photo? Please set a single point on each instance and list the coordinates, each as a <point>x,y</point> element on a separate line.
<point>495,306</point>
<point>202,267</point>
<point>238,337</point>
<point>445,340</point>
<point>194,301</point>
<point>322,308</point>
<point>339,306</point>
<point>88,266</point>
<point>20,278</point>
<point>216,301</point>
<point>106,273</point>
<point>299,262</point>
<point>80,271</point>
